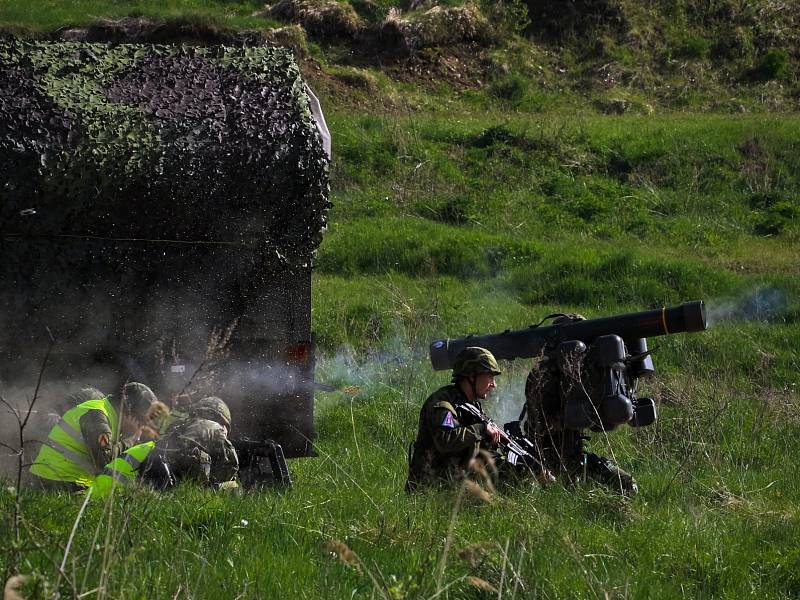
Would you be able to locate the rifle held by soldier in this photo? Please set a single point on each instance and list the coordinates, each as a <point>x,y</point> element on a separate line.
<point>513,446</point>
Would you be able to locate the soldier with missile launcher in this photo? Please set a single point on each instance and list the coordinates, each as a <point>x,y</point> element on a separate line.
<point>453,428</point>
<point>562,448</point>
<point>584,377</point>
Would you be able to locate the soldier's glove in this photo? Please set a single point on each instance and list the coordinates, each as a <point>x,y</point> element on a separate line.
<point>148,434</point>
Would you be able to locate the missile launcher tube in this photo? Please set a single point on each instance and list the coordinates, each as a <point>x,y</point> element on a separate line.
<point>528,343</point>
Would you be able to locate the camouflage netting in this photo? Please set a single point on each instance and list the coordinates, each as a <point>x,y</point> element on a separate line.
<point>148,188</point>
<point>99,136</point>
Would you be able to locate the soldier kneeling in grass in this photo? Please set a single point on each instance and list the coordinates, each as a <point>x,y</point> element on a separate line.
<point>453,429</point>
<point>91,433</point>
<point>563,449</point>
<point>194,448</point>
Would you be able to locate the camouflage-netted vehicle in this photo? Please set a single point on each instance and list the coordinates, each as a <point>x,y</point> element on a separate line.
<point>159,211</point>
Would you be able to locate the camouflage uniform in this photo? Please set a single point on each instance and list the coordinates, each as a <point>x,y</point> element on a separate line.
<point>444,444</point>
<point>562,449</point>
<point>446,440</point>
<point>198,448</point>
<point>164,422</point>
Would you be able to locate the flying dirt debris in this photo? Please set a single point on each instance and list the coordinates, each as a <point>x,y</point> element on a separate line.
<point>159,213</point>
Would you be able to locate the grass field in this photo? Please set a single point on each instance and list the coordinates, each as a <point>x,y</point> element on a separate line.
<point>717,515</point>
<point>475,214</point>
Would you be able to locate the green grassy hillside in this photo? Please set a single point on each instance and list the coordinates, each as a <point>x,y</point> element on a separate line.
<point>602,159</point>
<point>606,56</point>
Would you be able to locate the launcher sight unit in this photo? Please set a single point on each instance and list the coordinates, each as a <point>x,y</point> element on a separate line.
<point>593,364</point>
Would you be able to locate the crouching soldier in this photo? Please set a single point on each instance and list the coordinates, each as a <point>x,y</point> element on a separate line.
<point>93,432</point>
<point>195,448</point>
<point>448,437</point>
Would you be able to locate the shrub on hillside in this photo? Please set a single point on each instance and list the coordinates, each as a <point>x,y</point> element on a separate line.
<point>560,20</point>
<point>322,18</point>
<point>512,88</point>
<point>438,26</point>
<point>763,200</point>
<point>776,218</point>
<point>457,210</point>
<point>693,47</point>
<point>499,134</point>
<point>506,15</point>
<point>292,37</point>
<point>773,65</point>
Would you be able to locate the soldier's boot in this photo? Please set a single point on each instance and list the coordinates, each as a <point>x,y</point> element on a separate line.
<point>606,472</point>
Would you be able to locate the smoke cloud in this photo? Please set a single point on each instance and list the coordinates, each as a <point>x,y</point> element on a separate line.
<point>506,402</point>
<point>762,304</point>
<point>45,413</point>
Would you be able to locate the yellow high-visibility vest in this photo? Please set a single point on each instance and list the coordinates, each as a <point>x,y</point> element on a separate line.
<point>122,471</point>
<point>64,455</point>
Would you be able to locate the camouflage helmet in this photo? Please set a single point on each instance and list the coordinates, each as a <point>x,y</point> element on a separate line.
<point>473,361</point>
<point>137,398</point>
<point>213,409</point>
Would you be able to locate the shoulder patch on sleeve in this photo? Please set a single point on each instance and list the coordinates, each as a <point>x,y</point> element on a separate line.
<point>448,422</point>
<point>445,405</point>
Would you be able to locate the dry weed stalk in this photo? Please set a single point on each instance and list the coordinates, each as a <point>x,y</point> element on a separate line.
<point>481,584</point>
<point>483,466</point>
<point>476,492</point>
<point>479,481</point>
<point>62,573</point>
<point>475,554</point>
<point>342,552</point>
<point>13,587</point>
<point>726,499</point>
<point>484,470</point>
<point>22,423</point>
<point>448,541</point>
<point>217,350</point>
